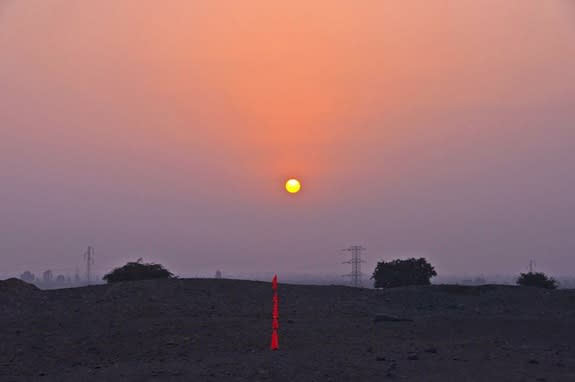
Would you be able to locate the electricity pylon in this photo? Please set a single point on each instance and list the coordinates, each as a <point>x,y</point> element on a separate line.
<point>355,262</point>
<point>89,258</point>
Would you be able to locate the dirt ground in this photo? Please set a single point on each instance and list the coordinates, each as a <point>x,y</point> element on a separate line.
<point>219,330</point>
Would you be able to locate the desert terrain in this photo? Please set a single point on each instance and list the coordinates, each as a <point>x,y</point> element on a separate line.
<point>219,330</point>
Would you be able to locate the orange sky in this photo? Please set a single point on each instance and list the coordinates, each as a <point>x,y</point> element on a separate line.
<point>214,103</point>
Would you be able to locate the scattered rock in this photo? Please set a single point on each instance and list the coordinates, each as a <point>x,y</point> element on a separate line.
<point>431,350</point>
<point>533,362</point>
<point>380,359</point>
<point>413,357</point>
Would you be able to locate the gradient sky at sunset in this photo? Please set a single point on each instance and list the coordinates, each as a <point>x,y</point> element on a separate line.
<point>165,130</point>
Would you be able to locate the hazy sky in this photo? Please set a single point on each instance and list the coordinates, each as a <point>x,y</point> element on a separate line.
<point>165,130</point>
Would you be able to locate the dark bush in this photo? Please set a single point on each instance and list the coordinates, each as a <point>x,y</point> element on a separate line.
<point>138,271</point>
<point>537,279</point>
<point>397,273</point>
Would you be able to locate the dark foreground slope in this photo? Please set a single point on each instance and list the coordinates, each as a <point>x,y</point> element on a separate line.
<point>219,330</point>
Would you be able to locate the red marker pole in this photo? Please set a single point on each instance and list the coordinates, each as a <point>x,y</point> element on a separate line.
<point>275,315</point>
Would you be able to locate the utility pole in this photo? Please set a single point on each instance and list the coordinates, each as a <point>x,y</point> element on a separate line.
<point>89,258</point>
<point>531,266</point>
<point>355,262</point>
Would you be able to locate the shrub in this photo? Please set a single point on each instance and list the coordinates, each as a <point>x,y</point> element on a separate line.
<point>537,279</point>
<point>138,271</point>
<point>397,273</point>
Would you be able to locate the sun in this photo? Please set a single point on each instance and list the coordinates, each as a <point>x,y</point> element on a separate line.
<point>293,186</point>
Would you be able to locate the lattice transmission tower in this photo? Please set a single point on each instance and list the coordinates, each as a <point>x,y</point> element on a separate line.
<point>532,266</point>
<point>89,258</point>
<point>355,261</point>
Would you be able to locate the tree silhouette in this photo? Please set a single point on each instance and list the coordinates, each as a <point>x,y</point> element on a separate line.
<point>537,279</point>
<point>397,273</point>
<point>138,271</point>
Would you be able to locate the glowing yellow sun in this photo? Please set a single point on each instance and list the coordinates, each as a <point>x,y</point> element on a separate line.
<point>293,186</point>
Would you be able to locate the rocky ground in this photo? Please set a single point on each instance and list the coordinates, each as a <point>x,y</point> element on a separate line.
<point>219,330</point>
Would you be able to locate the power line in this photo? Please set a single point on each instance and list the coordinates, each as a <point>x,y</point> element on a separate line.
<point>355,262</point>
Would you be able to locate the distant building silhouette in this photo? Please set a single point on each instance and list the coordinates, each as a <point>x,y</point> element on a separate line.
<point>47,276</point>
<point>218,274</point>
<point>28,276</point>
<point>77,278</point>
